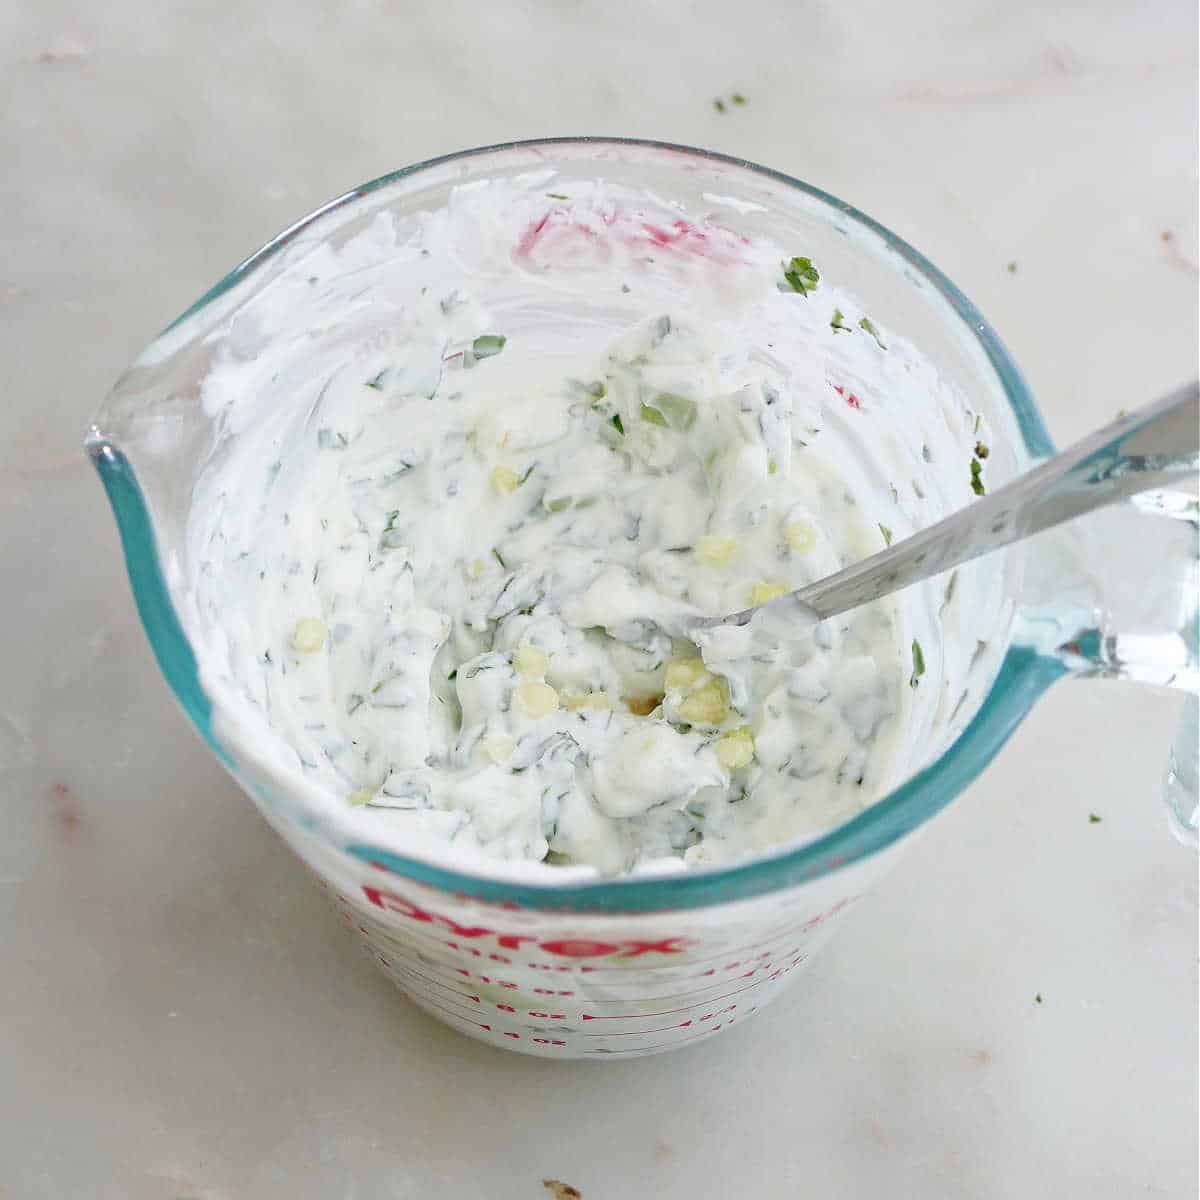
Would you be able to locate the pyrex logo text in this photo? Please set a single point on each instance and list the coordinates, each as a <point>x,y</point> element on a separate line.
<point>563,947</point>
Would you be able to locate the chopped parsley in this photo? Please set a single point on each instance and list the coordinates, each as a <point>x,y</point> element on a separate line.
<point>918,657</point>
<point>556,196</point>
<point>801,276</point>
<point>977,477</point>
<point>869,326</point>
<point>1094,819</point>
<point>376,381</point>
<point>487,344</point>
<point>616,422</point>
<point>838,324</point>
<point>1012,267</point>
<point>1038,998</point>
<point>453,674</point>
<point>719,104</point>
<point>496,556</point>
<point>981,451</point>
<point>738,98</point>
<point>887,534</point>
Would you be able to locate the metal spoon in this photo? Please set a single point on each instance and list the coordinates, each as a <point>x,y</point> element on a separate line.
<point>1146,449</point>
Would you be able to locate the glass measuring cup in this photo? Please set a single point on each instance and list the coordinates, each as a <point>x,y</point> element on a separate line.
<point>633,966</point>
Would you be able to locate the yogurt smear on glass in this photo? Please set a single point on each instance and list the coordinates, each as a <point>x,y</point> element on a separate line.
<point>445,572</point>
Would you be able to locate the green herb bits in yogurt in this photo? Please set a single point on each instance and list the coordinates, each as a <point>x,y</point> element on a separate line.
<point>442,564</point>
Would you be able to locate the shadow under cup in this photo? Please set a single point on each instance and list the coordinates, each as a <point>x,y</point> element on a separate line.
<point>592,967</point>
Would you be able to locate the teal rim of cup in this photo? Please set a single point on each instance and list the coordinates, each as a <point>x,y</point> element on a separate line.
<point>1024,673</point>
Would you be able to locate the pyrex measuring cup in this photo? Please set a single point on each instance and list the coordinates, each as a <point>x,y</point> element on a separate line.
<point>631,966</point>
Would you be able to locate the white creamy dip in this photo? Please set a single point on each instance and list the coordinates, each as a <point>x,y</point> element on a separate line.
<point>443,567</point>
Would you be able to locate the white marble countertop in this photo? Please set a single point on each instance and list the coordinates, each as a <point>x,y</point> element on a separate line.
<point>181,1016</point>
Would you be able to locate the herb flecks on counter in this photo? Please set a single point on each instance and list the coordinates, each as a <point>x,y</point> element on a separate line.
<point>918,664</point>
<point>561,1191</point>
<point>838,323</point>
<point>801,276</point>
<point>1094,818</point>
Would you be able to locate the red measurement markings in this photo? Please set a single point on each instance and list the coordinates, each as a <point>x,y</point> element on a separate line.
<point>608,1033</point>
<point>425,1002</point>
<point>684,1008</point>
<point>504,983</point>
<point>781,933</point>
<point>766,969</point>
<point>409,973</point>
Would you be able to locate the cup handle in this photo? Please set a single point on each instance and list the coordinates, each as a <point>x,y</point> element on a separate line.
<point>1116,595</point>
<point>1180,788</point>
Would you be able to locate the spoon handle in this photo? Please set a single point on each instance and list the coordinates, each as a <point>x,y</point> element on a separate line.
<point>1146,449</point>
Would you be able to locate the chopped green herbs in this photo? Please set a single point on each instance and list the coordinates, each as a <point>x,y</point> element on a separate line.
<point>1012,267</point>
<point>977,477</point>
<point>887,534</point>
<point>391,538</point>
<point>556,196</point>
<point>918,659</point>
<point>838,324</point>
<point>1094,819</point>
<point>616,422</point>
<point>719,104</point>
<point>738,98</point>
<point>869,326</point>
<point>496,556</point>
<point>453,675</point>
<point>981,451</point>
<point>376,381</point>
<point>488,344</point>
<point>1038,998</point>
<point>801,276</point>
<point>670,411</point>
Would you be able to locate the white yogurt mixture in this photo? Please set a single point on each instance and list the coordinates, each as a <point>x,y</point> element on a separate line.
<point>443,564</point>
